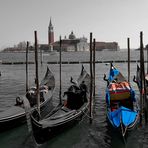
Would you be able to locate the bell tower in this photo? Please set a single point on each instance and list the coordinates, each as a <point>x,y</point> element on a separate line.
<point>50,36</point>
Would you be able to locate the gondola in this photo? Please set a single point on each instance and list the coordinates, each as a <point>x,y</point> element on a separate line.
<point>15,115</point>
<point>73,107</point>
<point>121,103</point>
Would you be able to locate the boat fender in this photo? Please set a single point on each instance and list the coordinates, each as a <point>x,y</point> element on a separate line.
<point>134,79</point>
<point>19,101</point>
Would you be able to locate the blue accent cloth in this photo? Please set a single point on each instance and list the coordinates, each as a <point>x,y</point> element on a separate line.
<point>122,115</point>
<point>113,73</point>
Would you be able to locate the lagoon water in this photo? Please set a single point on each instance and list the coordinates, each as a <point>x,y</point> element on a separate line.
<point>84,134</point>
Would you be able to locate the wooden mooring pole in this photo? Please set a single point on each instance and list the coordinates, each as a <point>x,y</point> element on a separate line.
<point>94,68</point>
<point>27,66</point>
<point>91,78</point>
<point>36,72</point>
<point>128,46</point>
<point>143,82</point>
<point>60,92</point>
<point>147,57</point>
<point>41,56</point>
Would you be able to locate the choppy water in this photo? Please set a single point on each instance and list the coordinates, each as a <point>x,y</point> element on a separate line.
<point>83,135</point>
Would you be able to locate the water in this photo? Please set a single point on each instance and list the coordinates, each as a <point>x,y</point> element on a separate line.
<point>83,135</point>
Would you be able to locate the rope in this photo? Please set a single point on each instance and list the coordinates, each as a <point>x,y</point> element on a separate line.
<point>27,112</point>
<point>123,133</point>
<point>85,115</point>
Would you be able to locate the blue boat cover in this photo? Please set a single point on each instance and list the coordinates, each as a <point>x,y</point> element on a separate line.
<point>113,73</point>
<point>122,115</point>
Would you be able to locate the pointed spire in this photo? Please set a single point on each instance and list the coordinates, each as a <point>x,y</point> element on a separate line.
<point>50,33</point>
<point>50,23</point>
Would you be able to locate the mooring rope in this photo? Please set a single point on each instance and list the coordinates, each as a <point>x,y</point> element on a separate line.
<point>27,112</point>
<point>86,115</point>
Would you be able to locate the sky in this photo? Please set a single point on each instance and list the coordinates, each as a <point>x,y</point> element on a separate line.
<point>108,20</point>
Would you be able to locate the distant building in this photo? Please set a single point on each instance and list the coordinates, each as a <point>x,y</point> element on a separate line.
<point>107,45</point>
<point>45,47</point>
<point>72,44</point>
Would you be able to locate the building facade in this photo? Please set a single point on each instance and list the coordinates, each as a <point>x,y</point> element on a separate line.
<point>107,45</point>
<point>72,44</point>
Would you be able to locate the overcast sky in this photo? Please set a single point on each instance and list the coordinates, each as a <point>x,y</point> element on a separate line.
<point>108,20</point>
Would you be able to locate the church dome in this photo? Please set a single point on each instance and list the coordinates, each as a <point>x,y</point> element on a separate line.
<point>72,36</point>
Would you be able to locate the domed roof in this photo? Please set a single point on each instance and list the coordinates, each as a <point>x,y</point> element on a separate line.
<point>72,36</point>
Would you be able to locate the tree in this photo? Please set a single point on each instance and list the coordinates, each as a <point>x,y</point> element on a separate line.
<point>21,45</point>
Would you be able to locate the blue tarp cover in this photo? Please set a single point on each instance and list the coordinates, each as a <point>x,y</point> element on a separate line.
<point>113,73</point>
<point>122,115</point>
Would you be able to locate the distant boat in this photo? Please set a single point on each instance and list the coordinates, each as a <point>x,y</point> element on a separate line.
<point>122,106</point>
<point>64,115</point>
<point>15,115</point>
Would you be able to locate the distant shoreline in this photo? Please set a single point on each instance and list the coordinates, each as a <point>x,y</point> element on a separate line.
<point>71,62</point>
<point>66,51</point>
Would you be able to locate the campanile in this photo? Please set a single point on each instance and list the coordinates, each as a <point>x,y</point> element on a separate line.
<point>50,34</point>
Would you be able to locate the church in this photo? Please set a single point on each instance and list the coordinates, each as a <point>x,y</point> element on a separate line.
<point>72,44</point>
<point>68,44</point>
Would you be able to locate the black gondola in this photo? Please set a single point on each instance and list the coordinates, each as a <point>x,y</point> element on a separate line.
<point>15,115</point>
<point>63,115</point>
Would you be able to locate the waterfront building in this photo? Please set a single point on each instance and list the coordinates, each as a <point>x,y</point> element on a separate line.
<point>72,44</point>
<point>107,45</point>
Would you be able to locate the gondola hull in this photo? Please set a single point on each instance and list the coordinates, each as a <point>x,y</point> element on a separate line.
<point>123,127</point>
<point>66,114</point>
<point>16,115</point>
<point>42,134</point>
<point>122,107</point>
<point>10,118</point>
